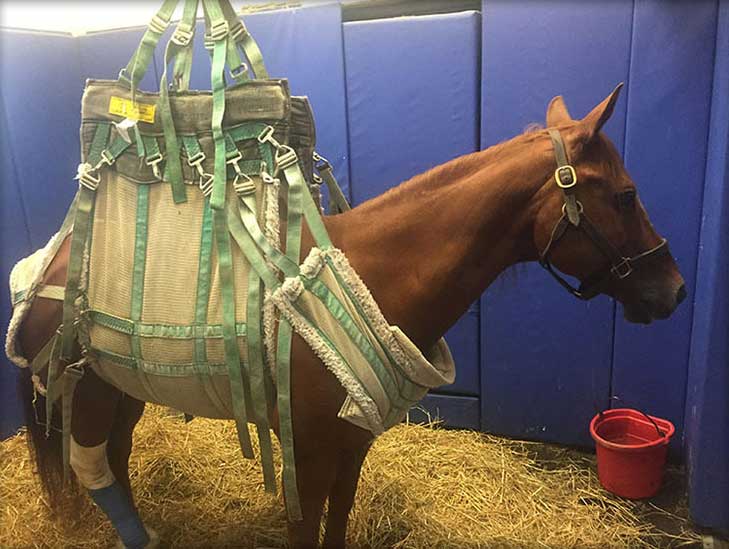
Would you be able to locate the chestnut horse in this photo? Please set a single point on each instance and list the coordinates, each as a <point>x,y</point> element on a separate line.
<point>426,250</point>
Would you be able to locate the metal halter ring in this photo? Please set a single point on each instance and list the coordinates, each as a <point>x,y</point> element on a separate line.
<point>580,208</point>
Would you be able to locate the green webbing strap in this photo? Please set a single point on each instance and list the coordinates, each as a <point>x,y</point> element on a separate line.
<point>250,250</point>
<point>202,296</point>
<point>52,392</point>
<point>218,32</point>
<point>82,224</point>
<point>184,34</point>
<point>237,68</point>
<point>70,378</point>
<point>286,427</point>
<point>244,40</point>
<point>238,384</point>
<point>138,270</point>
<point>41,360</point>
<point>296,190</point>
<point>336,196</point>
<point>246,208</point>
<point>172,145</point>
<point>140,61</point>
<point>311,211</point>
<point>258,375</point>
<point>140,141</point>
<point>153,156</point>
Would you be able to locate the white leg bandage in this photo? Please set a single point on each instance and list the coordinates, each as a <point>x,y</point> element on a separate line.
<point>91,466</point>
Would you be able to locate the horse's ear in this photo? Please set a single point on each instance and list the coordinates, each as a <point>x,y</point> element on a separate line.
<point>557,112</point>
<point>594,121</point>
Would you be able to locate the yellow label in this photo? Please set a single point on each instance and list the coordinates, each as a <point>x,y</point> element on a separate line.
<point>135,111</point>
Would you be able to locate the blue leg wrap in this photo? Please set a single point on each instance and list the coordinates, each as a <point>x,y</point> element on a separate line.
<point>114,501</point>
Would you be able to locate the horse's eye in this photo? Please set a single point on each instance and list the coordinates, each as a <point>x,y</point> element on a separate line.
<point>625,200</point>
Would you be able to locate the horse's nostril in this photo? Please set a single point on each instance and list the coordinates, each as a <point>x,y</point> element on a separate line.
<point>681,294</point>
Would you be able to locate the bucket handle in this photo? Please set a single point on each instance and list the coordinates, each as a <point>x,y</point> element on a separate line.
<point>649,418</point>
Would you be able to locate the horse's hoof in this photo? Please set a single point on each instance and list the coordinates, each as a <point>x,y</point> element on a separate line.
<point>153,543</point>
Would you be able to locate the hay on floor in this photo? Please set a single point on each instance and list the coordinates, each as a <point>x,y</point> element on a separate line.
<point>421,487</point>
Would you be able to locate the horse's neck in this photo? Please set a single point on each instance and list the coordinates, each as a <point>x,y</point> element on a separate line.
<point>428,249</point>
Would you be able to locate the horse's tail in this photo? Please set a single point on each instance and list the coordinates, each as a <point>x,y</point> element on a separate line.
<point>64,499</point>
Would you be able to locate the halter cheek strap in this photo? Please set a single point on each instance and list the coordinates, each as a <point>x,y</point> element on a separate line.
<point>573,216</point>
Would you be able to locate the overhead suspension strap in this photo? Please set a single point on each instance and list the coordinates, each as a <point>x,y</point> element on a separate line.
<point>242,39</point>
<point>140,61</point>
<point>337,201</point>
<point>184,35</point>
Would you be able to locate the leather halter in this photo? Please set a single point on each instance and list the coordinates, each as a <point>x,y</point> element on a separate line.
<point>573,215</point>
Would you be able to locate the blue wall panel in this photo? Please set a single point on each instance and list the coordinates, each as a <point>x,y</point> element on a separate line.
<point>546,357</point>
<point>707,402</point>
<point>14,243</point>
<point>42,92</point>
<point>669,99</point>
<point>412,93</point>
<point>103,54</point>
<point>40,95</point>
<point>303,45</point>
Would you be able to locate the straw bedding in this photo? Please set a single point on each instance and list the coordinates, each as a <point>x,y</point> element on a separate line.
<point>421,487</point>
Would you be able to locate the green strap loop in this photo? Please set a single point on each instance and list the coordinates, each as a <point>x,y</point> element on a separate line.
<point>311,211</point>
<point>242,38</point>
<point>184,35</point>
<point>140,61</point>
<point>172,145</point>
<point>238,385</point>
<point>218,31</point>
<point>69,379</point>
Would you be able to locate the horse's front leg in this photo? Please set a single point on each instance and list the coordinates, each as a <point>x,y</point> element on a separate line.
<point>341,496</point>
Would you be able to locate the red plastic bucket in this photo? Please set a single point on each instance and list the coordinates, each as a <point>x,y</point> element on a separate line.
<point>631,451</point>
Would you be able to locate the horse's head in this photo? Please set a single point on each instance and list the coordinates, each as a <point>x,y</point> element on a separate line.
<point>595,228</point>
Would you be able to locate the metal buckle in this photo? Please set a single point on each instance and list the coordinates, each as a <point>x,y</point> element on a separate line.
<point>85,176</point>
<point>266,177</point>
<point>266,136</point>
<point>206,183</point>
<point>321,163</point>
<point>317,180</point>
<point>153,162</point>
<point>618,271</point>
<point>565,177</point>
<point>239,71</point>
<point>208,41</point>
<point>196,161</point>
<point>219,31</point>
<point>244,187</point>
<point>285,158</point>
<point>106,158</point>
<point>158,25</point>
<point>183,34</point>
<point>237,30</point>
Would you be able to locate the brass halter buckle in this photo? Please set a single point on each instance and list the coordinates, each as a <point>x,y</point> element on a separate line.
<point>565,177</point>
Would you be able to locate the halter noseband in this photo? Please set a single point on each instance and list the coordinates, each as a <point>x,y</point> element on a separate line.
<point>573,215</point>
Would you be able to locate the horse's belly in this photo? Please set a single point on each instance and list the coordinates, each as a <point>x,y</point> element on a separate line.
<point>201,396</point>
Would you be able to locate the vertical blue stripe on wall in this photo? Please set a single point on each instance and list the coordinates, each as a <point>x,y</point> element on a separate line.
<point>412,91</point>
<point>546,357</point>
<point>707,402</point>
<point>665,151</point>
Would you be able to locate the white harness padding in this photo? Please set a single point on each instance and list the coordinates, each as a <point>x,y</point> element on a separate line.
<point>381,369</point>
<point>91,465</point>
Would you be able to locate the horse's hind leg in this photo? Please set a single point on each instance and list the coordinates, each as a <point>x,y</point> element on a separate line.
<point>119,448</point>
<point>96,406</point>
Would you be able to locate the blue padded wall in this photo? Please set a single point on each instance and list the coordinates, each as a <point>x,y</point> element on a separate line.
<point>40,114</point>
<point>546,357</point>
<point>707,403</point>
<point>412,94</point>
<point>103,54</point>
<point>669,100</point>
<point>303,45</point>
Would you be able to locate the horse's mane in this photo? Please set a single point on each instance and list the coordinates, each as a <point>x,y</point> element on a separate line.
<point>463,166</point>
